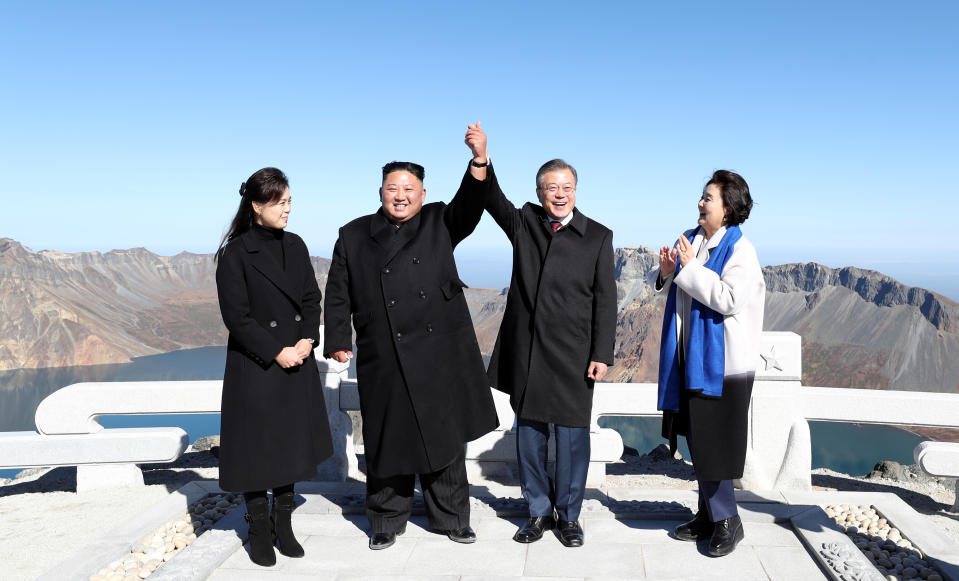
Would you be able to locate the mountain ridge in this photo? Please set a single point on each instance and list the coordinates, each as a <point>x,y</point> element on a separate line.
<point>860,328</point>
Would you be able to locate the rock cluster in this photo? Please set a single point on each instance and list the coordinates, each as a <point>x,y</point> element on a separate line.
<point>882,544</point>
<point>168,540</point>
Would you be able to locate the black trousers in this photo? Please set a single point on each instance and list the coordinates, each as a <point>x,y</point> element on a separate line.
<point>389,500</point>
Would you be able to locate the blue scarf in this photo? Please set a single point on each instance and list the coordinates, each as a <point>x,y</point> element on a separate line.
<point>705,361</point>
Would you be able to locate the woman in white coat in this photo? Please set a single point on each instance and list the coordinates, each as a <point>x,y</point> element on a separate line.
<point>710,344</point>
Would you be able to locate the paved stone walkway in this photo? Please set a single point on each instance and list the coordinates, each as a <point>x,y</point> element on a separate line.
<point>627,537</point>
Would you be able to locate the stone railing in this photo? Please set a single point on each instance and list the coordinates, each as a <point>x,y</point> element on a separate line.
<point>778,453</point>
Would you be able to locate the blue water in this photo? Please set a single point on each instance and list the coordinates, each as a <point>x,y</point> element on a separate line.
<point>848,448</point>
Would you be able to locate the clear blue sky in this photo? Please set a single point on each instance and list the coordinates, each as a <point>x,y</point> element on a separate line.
<point>132,124</point>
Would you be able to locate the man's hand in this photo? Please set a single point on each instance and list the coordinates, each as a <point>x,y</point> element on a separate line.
<point>476,141</point>
<point>303,348</point>
<point>341,356</point>
<point>288,358</point>
<point>597,371</point>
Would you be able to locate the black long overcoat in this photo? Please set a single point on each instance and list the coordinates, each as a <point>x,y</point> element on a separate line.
<point>423,392</point>
<point>560,312</point>
<point>273,425</point>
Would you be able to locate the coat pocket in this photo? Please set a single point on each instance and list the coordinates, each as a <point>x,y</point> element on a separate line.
<point>452,287</point>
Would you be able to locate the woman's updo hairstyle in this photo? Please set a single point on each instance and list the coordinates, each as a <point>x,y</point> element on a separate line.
<point>263,187</point>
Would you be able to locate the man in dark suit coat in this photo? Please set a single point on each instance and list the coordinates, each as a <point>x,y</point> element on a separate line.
<point>423,391</point>
<point>555,341</point>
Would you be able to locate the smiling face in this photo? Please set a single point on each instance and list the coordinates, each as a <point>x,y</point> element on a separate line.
<point>402,195</point>
<point>557,193</point>
<point>274,214</point>
<point>712,212</point>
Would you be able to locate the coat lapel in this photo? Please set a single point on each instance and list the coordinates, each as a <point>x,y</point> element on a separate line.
<point>268,267</point>
<point>391,239</point>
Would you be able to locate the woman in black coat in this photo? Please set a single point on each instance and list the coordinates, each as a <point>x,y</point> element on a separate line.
<point>274,429</point>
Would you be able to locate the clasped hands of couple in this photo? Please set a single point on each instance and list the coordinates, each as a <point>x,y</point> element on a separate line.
<point>295,355</point>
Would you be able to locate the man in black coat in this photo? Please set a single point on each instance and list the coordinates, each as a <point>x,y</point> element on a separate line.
<point>555,341</point>
<point>423,390</point>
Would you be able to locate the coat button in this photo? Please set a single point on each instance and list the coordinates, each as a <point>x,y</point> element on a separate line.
<point>429,328</point>
<point>386,270</point>
<point>422,294</point>
<point>273,323</point>
<point>297,318</point>
<point>399,336</point>
<point>392,303</point>
<point>416,260</point>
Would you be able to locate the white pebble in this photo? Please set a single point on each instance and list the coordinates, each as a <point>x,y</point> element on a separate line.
<point>179,543</point>
<point>168,556</point>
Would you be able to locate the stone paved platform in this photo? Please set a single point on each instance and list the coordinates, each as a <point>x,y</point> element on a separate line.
<point>788,538</point>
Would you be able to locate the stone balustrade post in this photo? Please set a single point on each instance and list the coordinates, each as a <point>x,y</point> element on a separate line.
<point>779,451</point>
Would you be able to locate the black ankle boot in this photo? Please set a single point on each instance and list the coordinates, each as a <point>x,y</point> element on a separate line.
<point>261,540</point>
<point>283,526</point>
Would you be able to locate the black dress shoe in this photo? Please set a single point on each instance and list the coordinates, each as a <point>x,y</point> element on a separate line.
<point>533,529</point>
<point>695,530</point>
<point>726,535</point>
<point>383,540</point>
<point>463,535</point>
<point>570,533</point>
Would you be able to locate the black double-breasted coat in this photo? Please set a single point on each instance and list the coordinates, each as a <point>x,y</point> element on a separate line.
<point>423,390</point>
<point>273,424</point>
<point>560,312</point>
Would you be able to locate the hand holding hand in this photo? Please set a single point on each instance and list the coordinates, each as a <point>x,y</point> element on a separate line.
<point>342,356</point>
<point>476,140</point>
<point>288,358</point>
<point>685,251</point>
<point>667,261</point>
<point>303,348</point>
<point>597,371</point>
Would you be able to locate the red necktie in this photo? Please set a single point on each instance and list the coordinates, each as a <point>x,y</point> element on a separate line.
<point>555,226</point>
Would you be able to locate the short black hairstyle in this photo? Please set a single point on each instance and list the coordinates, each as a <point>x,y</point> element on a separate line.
<point>736,198</point>
<point>554,165</point>
<point>414,168</point>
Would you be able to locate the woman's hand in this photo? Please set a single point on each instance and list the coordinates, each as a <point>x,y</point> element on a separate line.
<point>288,358</point>
<point>667,261</point>
<point>685,251</point>
<point>303,348</point>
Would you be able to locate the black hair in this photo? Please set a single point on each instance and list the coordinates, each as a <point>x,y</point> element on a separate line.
<point>554,165</point>
<point>414,168</point>
<point>735,191</point>
<point>263,187</point>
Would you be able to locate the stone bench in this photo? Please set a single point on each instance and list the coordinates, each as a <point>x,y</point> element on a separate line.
<point>105,459</point>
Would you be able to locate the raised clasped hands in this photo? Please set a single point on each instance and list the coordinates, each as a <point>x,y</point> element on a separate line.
<point>476,140</point>
<point>289,357</point>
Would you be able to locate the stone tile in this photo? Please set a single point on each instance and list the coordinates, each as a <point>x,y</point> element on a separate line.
<point>265,574</point>
<point>444,557</point>
<point>350,555</point>
<point>521,578</point>
<point>240,560</point>
<point>691,562</point>
<point>632,531</point>
<point>764,512</point>
<point>595,558</point>
<point>770,535</point>
<point>397,578</point>
<point>496,528</point>
<point>789,564</point>
<point>329,525</point>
